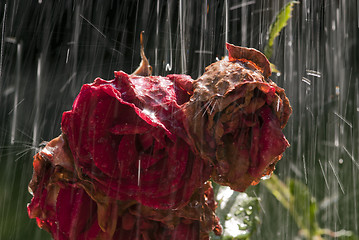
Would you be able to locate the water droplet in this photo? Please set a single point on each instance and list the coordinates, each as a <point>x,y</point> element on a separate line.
<point>67,55</point>
<point>168,67</point>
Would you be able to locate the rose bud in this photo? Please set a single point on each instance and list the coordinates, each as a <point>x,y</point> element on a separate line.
<point>235,118</point>
<point>127,138</point>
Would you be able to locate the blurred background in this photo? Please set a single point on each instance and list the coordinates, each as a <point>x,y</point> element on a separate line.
<point>50,48</point>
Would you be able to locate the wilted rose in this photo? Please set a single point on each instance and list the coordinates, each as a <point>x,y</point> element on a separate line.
<point>136,151</point>
<point>235,118</point>
<point>127,137</point>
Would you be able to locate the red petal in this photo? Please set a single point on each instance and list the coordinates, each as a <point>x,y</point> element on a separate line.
<point>74,210</point>
<point>128,128</point>
<point>126,156</point>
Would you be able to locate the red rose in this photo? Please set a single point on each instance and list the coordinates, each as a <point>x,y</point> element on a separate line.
<point>127,137</point>
<point>235,118</point>
<point>124,166</point>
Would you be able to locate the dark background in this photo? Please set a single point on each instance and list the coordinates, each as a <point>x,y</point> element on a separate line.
<point>50,48</point>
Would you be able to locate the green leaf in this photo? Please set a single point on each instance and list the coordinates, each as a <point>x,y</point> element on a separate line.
<point>296,198</point>
<point>238,214</point>
<point>280,22</point>
<point>304,207</point>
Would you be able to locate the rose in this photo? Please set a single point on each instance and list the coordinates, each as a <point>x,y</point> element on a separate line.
<point>235,118</point>
<point>127,138</point>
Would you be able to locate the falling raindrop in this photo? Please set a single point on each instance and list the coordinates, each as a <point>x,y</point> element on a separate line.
<point>49,49</point>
